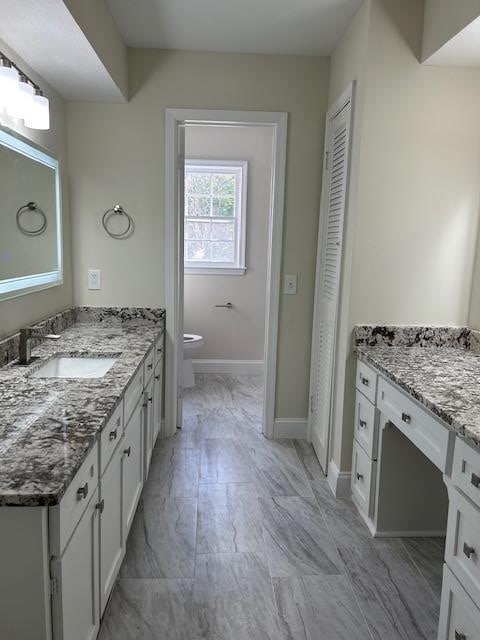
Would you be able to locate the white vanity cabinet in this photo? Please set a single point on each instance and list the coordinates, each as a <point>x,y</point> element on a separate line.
<point>112,541</point>
<point>148,417</point>
<point>74,575</point>
<point>133,456</point>
<point>60,563</point>
<point>409,470</point>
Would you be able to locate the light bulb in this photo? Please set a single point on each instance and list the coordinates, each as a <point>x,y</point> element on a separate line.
<point>22,99</point>
<point>39,115</point>
<point>8,83</point>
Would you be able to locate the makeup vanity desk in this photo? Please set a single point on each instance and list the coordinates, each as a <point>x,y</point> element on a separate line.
<point>416,452</point>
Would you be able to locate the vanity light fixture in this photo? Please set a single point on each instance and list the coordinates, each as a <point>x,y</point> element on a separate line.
<point>22,98</point>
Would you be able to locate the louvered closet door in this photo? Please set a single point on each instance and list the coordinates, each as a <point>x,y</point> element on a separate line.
<point>329,260</point>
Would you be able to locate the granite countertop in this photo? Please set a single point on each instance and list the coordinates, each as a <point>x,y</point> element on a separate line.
<point>445,379</point>
<point>48,426</point>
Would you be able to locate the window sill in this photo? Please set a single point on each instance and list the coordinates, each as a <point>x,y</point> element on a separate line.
<point>215,271</point>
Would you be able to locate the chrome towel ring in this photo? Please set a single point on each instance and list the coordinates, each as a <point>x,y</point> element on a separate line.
<point>118,210</point>
<point>31,206</point>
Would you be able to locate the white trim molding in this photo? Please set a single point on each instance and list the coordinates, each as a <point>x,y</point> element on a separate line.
<point>235,367</point>
<point>176,119</point>
<point>294,428</point>
<point>339,481</point>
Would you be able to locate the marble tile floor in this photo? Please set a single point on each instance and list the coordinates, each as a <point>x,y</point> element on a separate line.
<point>239,538</point>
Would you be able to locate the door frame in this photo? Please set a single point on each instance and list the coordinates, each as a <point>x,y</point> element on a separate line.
<point>347,96</point>
<point>175,118</point>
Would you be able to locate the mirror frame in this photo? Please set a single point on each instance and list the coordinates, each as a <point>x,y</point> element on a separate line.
<point>14,287</point>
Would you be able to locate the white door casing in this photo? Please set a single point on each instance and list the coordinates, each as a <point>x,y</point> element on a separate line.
<point>174,120</point>
<point>328,272</point>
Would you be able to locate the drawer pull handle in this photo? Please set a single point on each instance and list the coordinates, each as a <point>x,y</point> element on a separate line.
<point>157,377</point>
<point>128,451</point>
<point>364,381</point>
<point>82,492</point>
<point>475,480</point>
<point>100,505</point>
<point>359,476</point>
<point>149,366</point>
<point>363,424</point>
<point>468,550</point>
<point>406,418</point>
<point>460,636</point>
<point>113,434</point>
<point>150,399</point>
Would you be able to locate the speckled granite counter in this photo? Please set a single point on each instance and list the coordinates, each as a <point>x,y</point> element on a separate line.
<point>444,378</point>
<point>48,426</point>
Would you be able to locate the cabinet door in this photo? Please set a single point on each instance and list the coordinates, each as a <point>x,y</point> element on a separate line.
<point>148,416</point>
<point>75,602</point>
<point>111,525</point>
<point>157,399</point>
<point>132,466</point>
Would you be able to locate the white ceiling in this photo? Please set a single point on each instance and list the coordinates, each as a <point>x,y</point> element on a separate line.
<point>463,50</point>
<point>47,37</point>
<point>299,27</point>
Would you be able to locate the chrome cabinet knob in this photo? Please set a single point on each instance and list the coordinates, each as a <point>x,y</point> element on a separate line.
<point>365,381</point>
<point>113,434</point>
<point>128,451</point>
<point>475,480</point>
<point>100,505</point>
<point>359,476</point>
<point>468,550</point>
<point>406,418</point>
<point>363,424</point>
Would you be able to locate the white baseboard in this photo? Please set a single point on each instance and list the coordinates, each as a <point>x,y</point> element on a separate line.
<point>295,428</point>
<point>236,367</point>
<point>339,481</point>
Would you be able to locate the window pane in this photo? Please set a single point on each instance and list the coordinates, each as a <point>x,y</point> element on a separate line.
<point>198,183</point>
<point>223,184</point>
<point>223,230</point>
<point>223,207</point>
<point>198,206</point>
<point>223,252</point>
<point>197,230</point>
<point>197,251</point>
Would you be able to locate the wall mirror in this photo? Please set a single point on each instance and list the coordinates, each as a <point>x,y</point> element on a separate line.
<point>30,217</point>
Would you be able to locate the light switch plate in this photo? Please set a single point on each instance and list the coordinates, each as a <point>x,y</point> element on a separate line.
<point>290,285</point>
<point>94,279</point>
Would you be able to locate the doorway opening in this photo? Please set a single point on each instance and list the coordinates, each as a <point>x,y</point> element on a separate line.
<point>210,241</point>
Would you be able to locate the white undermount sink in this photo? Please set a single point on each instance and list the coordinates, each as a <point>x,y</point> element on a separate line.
<point>64,367</point>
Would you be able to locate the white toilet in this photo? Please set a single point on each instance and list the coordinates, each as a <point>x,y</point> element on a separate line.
<point>191,342</point>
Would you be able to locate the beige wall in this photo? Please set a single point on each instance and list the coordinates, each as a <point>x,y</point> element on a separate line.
<point>443,20</point>
<point>25,309</point>
<point>237,334</point>
<point>417,203</point>
<point>98,26</point>
<point>116,154</point>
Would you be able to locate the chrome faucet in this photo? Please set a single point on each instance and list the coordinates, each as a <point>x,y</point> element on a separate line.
<point>25,344</point>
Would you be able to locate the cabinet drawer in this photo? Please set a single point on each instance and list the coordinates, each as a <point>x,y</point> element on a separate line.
<point>159,349</point>
<point>111,436</point>
<point>466,470</point>
<point>365,425</point>
<point>427,434</point>
<point>363,479</point>
<point>462,551</point>
<point>459,617</point>
<point>366,381</point>
<point>64,517</point>
<point>149,363</point>
<point>133,394</point>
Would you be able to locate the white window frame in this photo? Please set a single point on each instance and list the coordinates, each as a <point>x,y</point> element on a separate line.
<point>240,167</point>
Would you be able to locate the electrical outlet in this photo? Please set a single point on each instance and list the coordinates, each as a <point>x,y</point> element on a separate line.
<point>290,285</point>
<point>94,279</point>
